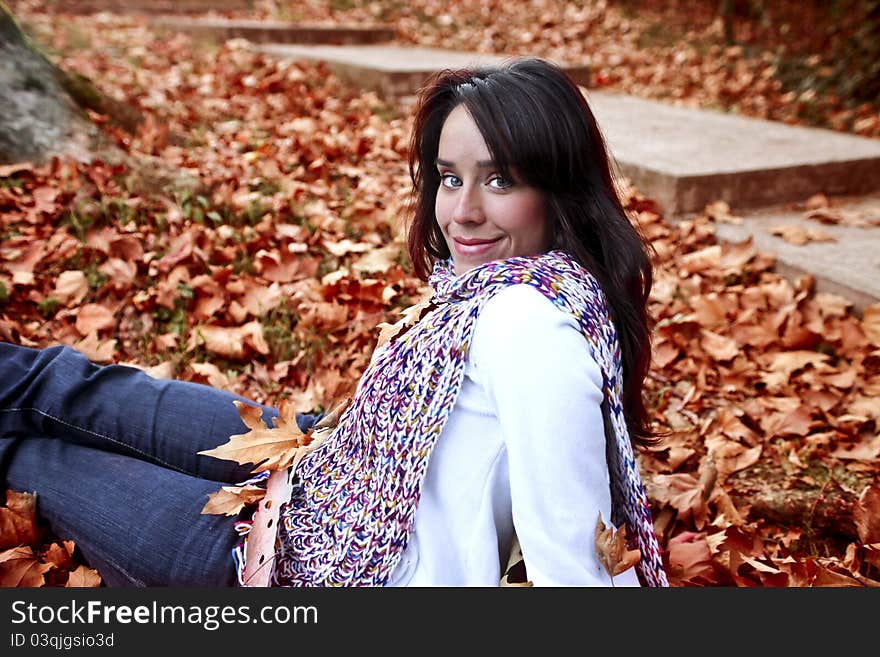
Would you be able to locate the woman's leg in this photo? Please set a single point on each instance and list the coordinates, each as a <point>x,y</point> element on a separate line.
<point>57,392</point>
<point>137,523</point>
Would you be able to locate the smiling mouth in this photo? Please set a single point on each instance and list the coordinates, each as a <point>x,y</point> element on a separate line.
<point>473,246</point>
<point>474,242</point>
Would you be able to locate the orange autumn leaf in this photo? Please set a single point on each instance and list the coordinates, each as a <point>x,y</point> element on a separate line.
<point>689,556</point>
<point>230,341</point>
<point>229,500</point>
<point>83,577</point>
<point>866,514</point>
<point>70,287</point>
<point>612,549</point>
<point>18,520</point>
<point>268,448</point>
<point>20,567</point>
<point>93,317</point>
<point>96,349</point>
<point>683,492</point>
<point>60,555</point>
<point>720,347</point>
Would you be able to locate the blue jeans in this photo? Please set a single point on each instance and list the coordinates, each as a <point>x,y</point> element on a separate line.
<point>111,453</point>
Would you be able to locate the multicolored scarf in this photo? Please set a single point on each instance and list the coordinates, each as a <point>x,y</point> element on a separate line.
<point>349,517</point>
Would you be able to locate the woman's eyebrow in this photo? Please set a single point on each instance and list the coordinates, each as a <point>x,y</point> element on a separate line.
<point>482,164</point>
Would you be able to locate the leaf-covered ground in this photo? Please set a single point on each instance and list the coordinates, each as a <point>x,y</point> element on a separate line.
<point>270,276</point>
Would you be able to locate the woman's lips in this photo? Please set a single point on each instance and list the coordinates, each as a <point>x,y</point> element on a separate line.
<point>473,247</point>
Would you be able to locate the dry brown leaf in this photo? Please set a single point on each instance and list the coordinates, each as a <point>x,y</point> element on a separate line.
<point>791,361</point>
<point>410,316</point>
<point>96,349</point>
<point>274,448</point>
<point>720,212</point>
<point>701,260</point>
<point>60,555</point>
<point>18,520</point>
<point>230,341</point>
<point>796,422</point>
<point>229,500</point>
<point>20,567</point>
<point>720,347</point>
<point>870,324</point>
<point>83,577</point>
<point>730,456</point>
<point>612,549</point>
<point>93,317</point>
<point>377,260</point>
<point>689,555</point>
<point>212,375</point>
<point>70,287</point>
<point>683,492</point>
<point>866,514</point>
<point>798,235</point>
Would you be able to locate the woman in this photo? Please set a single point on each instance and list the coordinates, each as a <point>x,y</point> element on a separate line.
<point>506,413</point>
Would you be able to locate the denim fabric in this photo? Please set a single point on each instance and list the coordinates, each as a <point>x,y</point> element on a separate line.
<point>111,453</point>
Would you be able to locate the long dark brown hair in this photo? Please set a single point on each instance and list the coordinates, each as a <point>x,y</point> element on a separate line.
<point>537,123</point>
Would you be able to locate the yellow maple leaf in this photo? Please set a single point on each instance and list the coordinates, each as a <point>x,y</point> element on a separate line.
<point>229,500</point>
<point>409,316</point>
<point>612,549</point>
<point>268,448</point>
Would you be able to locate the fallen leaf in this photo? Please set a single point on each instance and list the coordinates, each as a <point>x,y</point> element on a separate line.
<point>70,287</point>
<point>612,549</point>
<point>689,555</point>
<point>93,317</point>
<point>20,567</point>
<point>866,514</point>
<point>798,235</point>
<point>229,500</point>
<point>84,577</point>
<point>18,520</point>
<point>720,347</point>
<point>95,349</point>
<point>274,448</point>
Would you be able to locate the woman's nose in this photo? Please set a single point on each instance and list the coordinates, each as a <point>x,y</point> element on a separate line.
<point>468,209</point>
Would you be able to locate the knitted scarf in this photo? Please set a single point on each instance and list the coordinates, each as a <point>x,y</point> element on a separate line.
<point>350,514</point>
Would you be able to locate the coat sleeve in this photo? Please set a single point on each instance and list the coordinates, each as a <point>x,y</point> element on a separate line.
<point>546,389</point>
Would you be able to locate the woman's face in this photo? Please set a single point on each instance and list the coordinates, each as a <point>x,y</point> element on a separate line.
<point>482,215</point>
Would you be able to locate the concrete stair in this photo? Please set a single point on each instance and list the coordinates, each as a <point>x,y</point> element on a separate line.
<point>686,158</point>
<point>278,32</point>
<point>394,70</point>
<point>848,264</point>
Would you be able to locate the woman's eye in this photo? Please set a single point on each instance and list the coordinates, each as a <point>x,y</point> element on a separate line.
<point>499,182</point>
<point>449,180</point>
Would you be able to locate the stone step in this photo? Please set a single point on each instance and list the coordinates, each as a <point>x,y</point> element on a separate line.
<point>153,6</point>
<point>685,158</point>
<point>262,31</point>
<point>395,71</point>
<point>847,265</point>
